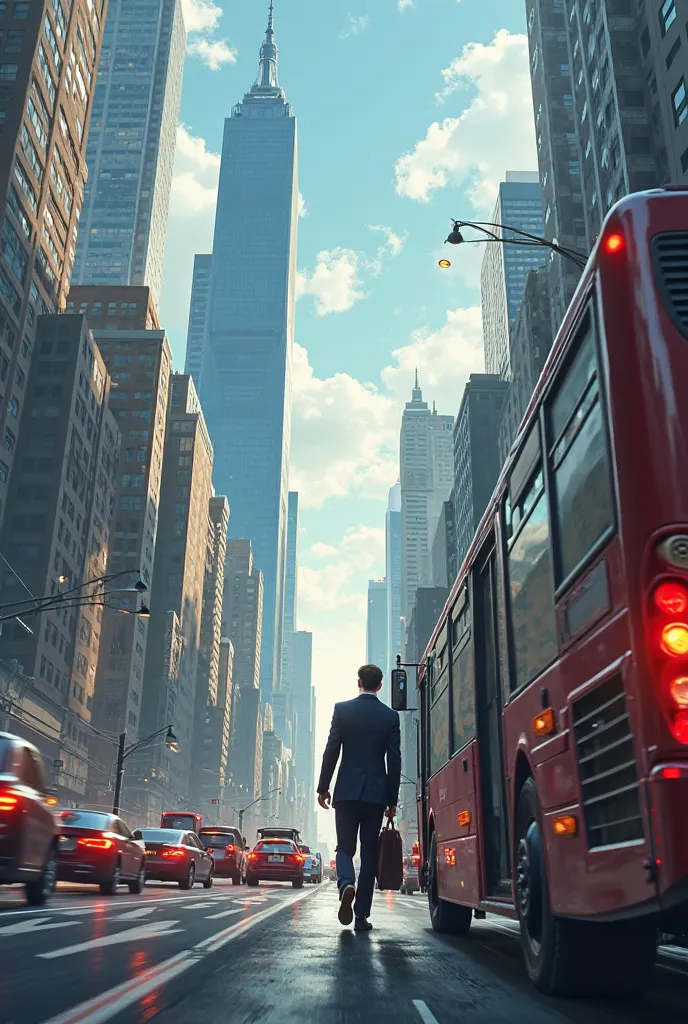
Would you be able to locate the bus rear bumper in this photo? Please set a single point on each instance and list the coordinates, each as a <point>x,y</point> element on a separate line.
<point>668,796</point>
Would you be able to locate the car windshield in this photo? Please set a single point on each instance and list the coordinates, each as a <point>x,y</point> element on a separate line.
<point>159,835</point>
<point>275,847</point>
<point>218,839</point>
<point>85,819</point>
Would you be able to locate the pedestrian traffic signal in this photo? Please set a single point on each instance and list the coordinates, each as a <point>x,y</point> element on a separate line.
<point>399,689</point>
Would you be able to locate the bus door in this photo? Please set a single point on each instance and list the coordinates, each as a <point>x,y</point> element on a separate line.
<point>489,727</point>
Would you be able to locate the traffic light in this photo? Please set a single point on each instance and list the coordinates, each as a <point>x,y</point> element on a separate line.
<point>399,689</point>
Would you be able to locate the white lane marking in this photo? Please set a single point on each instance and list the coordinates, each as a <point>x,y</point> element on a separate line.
<point>145,931</point>
<point>135,915</point>
<point>94,908</point>
<point>108,1004</point>
<point>424,1013</point>
<point>33,926</point>
<point>224,913</point>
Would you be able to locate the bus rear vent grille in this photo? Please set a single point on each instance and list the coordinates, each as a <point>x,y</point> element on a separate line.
<point>606,764</point>
<point>671,268</point>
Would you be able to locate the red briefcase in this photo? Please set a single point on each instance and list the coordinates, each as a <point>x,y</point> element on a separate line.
<point>390,858</point>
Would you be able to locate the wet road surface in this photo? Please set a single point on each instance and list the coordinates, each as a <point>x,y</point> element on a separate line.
<point>277,955</point>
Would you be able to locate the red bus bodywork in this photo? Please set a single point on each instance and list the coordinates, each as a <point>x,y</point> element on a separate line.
<point>602,728</point>
<point>189,821</point>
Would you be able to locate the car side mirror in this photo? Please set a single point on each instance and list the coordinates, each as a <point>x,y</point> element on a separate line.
<point>245,843</point>
<point>399,689</point>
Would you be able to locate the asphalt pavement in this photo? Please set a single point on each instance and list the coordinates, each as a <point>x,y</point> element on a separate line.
<point>277,955</point>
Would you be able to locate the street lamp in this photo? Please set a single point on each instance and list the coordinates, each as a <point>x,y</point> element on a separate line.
<point>79,597</point>
<point>243,810</point>
<point>123,752</point>
<point>488,229</point>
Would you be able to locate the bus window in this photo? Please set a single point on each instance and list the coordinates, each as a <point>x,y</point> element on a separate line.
<point>583,505</point>
<point>463,678</point>
<point>439,705</point>
<point>530,583</point>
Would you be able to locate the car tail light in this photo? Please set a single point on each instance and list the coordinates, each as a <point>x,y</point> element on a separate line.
<point>231,848</point>
<point>174,853</point>
<point>8,801</point>
<point>299,858</point>
<point>96,843</point>
<point>252,855</point>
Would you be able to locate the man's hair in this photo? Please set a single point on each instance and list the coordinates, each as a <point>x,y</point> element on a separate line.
<point>370,677</point>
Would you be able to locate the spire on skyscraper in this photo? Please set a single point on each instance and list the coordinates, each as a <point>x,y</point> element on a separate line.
<point>267,69</point>
<point>417,394</point>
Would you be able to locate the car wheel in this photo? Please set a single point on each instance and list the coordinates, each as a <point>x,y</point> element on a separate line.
<point>188,882</point>
<point>39,891</point>
<point>136,887</point>
<point>208,884</point>
<point>450,918</point>
<point>563,956</point>
<point>236,879</point>
<point>297,883</point>
<point>110,887</point>
<point>251,880</point>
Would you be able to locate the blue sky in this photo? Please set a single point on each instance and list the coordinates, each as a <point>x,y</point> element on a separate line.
<point>408,114</point>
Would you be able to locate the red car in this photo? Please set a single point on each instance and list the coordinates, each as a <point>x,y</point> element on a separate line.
<point>275,860</point>
<point>227,847</point>
<point>173,856</point>
<point>98,848</point>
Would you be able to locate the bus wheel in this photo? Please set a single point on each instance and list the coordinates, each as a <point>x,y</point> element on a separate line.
<point>444,916</point>
<point>566,957</point>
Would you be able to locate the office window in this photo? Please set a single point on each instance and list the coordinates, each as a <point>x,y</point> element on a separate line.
<point>667,15</point>
<point>679,100</point>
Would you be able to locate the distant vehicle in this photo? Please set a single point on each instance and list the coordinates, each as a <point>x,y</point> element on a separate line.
<point>332,871</point>
<point>312,868</point>
<point>275,860</point>
<point>28,830</point>
<point>410,881</point>
<point>176,856</point>
<point>99,849</point>
<point>187,821</point>
<point>227,847</point>
<point>292,834</point>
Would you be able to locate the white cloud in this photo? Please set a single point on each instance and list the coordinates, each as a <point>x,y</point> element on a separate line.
<point>202,19</point>
<point>403,4</point>
<point>355,25</point>
<point>338,280</point>
<point>495,132</point>
<point>444,359</point>
<point>195,177</point>
<point>303,209</point>
<point>213,52</point>
<point>344,436</point>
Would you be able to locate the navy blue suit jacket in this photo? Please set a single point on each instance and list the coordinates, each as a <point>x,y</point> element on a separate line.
<point>366,731</point>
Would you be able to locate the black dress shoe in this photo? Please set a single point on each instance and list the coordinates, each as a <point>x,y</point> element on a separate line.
<point>362,924</point>
<point>346,900</point>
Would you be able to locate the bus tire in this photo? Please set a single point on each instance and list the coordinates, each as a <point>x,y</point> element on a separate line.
<point>565,957</point>
<point>449,918</point>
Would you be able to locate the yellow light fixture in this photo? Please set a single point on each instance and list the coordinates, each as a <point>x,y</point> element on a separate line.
<point>445,264</point>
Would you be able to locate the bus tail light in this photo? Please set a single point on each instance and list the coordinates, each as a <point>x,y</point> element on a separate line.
<point>544,724</point>
<point>671,598</point>
<point>565,825</point>
<point>678,691</point>
<point>674,639</point>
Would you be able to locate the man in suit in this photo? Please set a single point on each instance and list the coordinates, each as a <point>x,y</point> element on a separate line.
<point>367,733</point>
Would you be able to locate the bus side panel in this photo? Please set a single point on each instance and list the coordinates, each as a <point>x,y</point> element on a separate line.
<point>453,793</point>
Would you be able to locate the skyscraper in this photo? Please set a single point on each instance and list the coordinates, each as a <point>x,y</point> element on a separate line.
<point>427,477</point>
<point>131,146</point>
<point>198,311</point>
<point>393,580</point>
<point>290,593</point>
<point>245,382</point>
<point>505,268</point>
<point>304,748</point>
<point>376,624</point>
<point>476,453</point>
<point>45,108</point>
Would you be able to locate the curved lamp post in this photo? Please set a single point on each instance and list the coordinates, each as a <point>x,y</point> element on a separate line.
<point>488,233</point>
<point>123,752</point>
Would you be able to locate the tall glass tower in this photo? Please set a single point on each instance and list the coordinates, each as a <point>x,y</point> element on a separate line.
<point>245,382</point>
<point>131,145</point>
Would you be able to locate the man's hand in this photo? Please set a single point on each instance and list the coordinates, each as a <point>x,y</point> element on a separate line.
<point>324,799</point>
<point>391,812</point>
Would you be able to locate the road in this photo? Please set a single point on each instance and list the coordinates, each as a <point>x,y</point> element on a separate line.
<point>276,955</point>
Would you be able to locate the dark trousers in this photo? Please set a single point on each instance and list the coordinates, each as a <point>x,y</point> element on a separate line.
<point>354,817</point>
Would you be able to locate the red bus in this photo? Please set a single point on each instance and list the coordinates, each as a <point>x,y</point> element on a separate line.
<point>553,694</point>
<point>189,821</point>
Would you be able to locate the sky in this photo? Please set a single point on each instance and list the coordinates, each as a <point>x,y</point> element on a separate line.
<point>409,113</point>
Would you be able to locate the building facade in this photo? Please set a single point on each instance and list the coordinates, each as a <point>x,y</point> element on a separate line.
<point>45,107</point>
<point>505,268</point>
<point>174,641</point>
<point>376,625</point>
<point>444,552</point>
<point>476,453</point>
<point>426,479</point>
<point>304,709</point>
<point>56,537</point>
<point>290,591</point>
<point>246,363</point>
<point>198,311</point>
<point>131,146</point>
<point>393,578</point>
